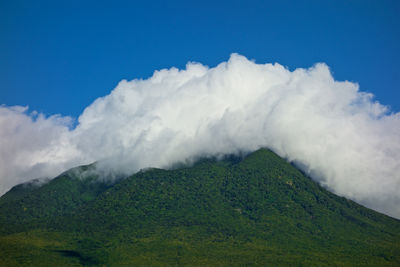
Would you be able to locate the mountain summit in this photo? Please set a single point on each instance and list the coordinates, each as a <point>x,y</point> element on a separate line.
<point>256,210</point>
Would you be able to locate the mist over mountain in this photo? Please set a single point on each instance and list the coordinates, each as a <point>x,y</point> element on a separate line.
<point>255,210</point>
<point>334,132</point>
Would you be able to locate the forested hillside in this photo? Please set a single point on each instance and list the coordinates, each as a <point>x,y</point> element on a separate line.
<point>259,210</point>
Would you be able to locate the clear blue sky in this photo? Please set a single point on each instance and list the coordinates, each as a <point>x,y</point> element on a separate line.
<point>58,56</point>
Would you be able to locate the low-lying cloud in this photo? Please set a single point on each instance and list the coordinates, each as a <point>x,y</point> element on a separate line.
<point>338,134</point>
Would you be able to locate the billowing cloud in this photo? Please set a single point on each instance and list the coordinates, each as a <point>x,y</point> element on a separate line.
<point>336,133</point>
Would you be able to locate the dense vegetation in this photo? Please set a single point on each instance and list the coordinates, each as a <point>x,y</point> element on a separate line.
<point>259,210</point>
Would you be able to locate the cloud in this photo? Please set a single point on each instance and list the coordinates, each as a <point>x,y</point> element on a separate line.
<point>336,133</point>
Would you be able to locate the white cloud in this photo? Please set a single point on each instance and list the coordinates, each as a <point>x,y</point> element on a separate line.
<point>339,135</point>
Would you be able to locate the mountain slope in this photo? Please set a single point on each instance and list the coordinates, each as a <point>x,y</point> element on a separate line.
<point>31,205</point>
<point>257,210</point>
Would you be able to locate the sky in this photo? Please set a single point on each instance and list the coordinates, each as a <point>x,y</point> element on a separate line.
<point>59,56</point>
<point>136,85</point>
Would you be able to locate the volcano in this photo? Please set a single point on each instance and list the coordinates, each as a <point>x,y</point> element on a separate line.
<point>252,210</point>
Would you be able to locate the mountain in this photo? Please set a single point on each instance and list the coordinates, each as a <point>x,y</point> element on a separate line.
<point>256,210</point>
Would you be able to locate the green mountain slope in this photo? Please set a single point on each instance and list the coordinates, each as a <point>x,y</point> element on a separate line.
<point>259,210</point>
<point>30,205</point>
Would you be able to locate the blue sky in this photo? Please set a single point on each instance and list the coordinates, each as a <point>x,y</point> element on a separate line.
<point>59,56</point>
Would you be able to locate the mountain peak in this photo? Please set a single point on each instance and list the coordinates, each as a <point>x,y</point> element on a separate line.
<point>259,207</point>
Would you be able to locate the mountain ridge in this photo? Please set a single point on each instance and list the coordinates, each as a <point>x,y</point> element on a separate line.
<point>249,210</point>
